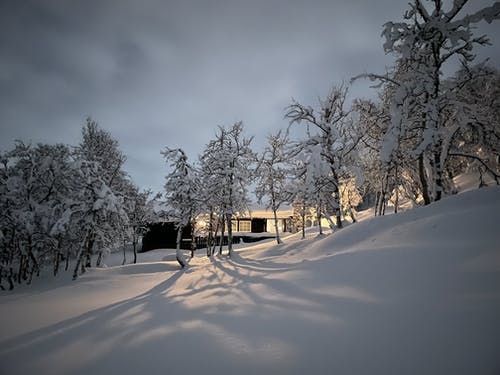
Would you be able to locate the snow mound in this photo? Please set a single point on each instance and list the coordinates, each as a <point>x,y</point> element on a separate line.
<point>412,293</point>
<point>134,269</point>
<point>465,223</point>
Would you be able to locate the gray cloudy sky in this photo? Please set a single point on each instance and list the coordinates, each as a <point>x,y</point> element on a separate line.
<point>166,73</point>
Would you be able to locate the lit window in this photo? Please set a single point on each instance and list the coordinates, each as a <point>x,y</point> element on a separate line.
<point>234,226</point>
<point>245,225</point>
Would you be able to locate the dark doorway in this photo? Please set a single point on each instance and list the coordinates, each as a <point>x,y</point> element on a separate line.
<point>164,236</point>
<point>259,225</point>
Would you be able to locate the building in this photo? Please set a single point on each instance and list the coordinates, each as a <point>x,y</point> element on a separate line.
<point>259,224</point>
<point>262,221</point>
<point>163,235</point>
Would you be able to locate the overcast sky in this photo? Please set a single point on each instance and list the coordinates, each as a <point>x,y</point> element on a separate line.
<point>166,73</point>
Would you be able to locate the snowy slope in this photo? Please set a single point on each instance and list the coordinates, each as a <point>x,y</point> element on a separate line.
<point>413,293</point>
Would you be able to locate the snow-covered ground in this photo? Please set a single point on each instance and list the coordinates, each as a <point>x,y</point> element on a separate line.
<point>413,293</point>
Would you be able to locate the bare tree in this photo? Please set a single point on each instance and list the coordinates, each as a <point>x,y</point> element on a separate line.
<point>231,161</point>
<point>335,138</point>
<point>181,194</point>
<point>273,174</point>
<point>428,41</point>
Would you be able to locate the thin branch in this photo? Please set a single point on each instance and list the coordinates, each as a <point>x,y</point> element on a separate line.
<point>375,77</point>
<point>460,154</point>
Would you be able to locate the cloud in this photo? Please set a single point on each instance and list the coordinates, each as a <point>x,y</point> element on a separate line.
<point>159,73</point>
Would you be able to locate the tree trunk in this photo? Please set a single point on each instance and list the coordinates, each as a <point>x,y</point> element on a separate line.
<point>336,198</point>
<point>88,252</point>
<point>396,179</point>
<point>385,188</point>
<point>210,234</point>
<point>178,252</point>
<point>193,238</point>
<point>88,257</point>
<point>214,241</point>
<point>35,266</point>
<point>99,259</point>
<point>79,259</point>
<point>221,235</point>
<point>396,202</point>
<point>423,180</point>
<point>276,228</point>
<point>124,253</point>
<point>331,224</point>
<point>229,235</point>
<point>303,222</point>
<point>10,278</point>
<point>383,194</point>
<point>66,266</point>
<point>21,269</point>
<point>353,216</point>
<point>338,218</point>
<point>3,274</point>
<point>134,247</point>
<point>438,174</point>
<point>318,217</point>
<point>57,257</point>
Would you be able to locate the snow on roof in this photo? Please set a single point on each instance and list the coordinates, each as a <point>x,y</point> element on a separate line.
<point>267,214</point>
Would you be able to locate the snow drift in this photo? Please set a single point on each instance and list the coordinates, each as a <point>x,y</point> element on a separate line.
<point>413,293</point>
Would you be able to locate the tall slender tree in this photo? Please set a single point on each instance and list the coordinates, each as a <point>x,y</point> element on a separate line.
<point>273,176</point>
<point>334,139</point>
<point>231,164</point>
<point>181,194</point>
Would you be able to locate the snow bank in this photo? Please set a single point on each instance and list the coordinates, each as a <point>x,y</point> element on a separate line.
<point>413,293</point>
<point>468,222</point>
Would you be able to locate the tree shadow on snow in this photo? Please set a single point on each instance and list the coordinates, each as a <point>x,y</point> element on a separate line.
<point>244,315</point>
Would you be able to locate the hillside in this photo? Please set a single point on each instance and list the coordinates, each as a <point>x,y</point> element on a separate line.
<point>412,293</point>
